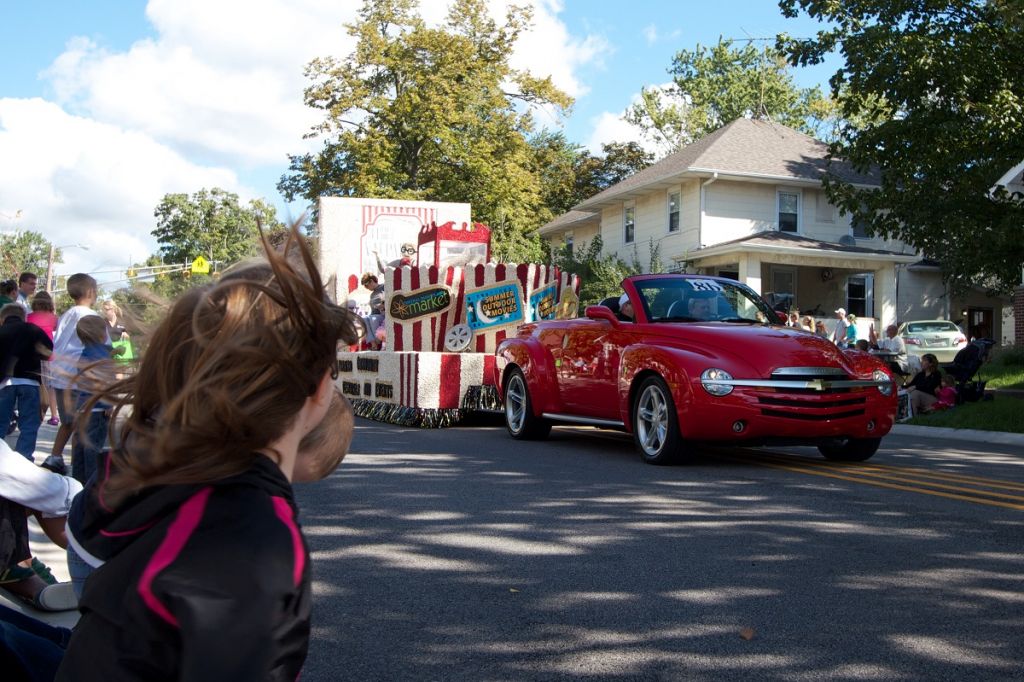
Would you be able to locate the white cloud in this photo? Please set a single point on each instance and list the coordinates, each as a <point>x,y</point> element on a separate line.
<point>613,127</point>
<point>651,34</point>
<point>217,91</point>
<point>78,181</point>
<point>549,49</point>
<point>223,80</point>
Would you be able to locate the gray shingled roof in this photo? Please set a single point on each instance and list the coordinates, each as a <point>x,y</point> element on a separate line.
<point>566,220</point>
<point>773,238</point>
<point>743,147</point>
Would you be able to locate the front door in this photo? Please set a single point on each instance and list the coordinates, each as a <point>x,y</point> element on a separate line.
<point>979,323</point>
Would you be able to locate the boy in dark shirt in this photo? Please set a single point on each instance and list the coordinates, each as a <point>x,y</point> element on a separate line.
<point>23,347</point>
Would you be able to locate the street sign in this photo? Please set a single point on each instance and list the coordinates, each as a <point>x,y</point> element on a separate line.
<point>200,266</point>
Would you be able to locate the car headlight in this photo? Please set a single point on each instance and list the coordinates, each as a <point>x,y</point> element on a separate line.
<point>709,379</point>
<point>881,375</point>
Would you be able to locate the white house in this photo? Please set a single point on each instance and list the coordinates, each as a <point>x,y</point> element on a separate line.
<point>747,202</point>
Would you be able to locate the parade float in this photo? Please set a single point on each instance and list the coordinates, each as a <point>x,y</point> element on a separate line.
<point>447,309</point>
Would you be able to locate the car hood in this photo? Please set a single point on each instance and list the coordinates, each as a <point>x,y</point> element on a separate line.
<point>761,349</point>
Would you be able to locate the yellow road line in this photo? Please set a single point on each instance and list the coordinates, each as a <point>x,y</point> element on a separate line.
<point>878,484</point>
<point>898,474</point>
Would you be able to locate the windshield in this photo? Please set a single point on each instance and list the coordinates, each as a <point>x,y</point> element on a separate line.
<point>930,327</point>
<point>695,299</point>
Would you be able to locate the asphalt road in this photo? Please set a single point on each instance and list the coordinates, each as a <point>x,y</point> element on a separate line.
<point>460,554</point>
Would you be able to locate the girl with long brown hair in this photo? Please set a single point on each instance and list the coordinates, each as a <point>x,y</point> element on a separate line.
<point>203,572</point>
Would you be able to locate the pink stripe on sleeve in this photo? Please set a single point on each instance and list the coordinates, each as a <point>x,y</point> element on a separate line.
<point>284,512</point>
<point>178,533</point>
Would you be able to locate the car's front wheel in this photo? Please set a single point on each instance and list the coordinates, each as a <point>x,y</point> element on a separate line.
<point>522,424</point>
<point>850,449</point>
<point>656,424</point>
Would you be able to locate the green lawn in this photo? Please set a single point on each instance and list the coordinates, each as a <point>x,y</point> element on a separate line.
<point>1002,414</point>
<point>1000,375</point>
<point>1006,370</point>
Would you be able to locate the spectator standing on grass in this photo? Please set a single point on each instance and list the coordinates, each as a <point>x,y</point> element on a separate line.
<point>851,330</point>
<point>23,349</point>
<point>43,316</point>
<point>207,574</point>
<point>67,351</point>
<point>839,331</point>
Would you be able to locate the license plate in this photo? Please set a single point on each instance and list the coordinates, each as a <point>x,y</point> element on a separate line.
<point>938,343</point>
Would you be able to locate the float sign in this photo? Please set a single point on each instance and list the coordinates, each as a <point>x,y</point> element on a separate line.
<point>542,303</point>
<point>420,303</point>
<point>494,307</point>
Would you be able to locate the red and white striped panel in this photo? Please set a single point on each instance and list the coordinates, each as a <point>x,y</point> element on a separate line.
<point>412,379</point>
<point>427,333</point>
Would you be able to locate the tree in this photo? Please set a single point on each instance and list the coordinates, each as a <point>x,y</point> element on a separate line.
<point>714,86</point>
<point>26,251</point>
<point>430,113</point>
<point>570,174</point>
<point>212,224</point>
<point>939,89</point>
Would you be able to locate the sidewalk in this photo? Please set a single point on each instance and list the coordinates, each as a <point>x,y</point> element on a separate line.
<point>972,435</point>
<point>47,552</point>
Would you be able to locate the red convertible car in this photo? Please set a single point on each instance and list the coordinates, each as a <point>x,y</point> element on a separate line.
<point>703,360</point>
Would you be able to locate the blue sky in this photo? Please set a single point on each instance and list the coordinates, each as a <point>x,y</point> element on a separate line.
<point>107,105</point>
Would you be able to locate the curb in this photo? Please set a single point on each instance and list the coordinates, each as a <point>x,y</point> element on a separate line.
<point>973,435</point>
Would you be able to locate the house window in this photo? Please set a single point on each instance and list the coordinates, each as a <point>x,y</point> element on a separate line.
<point>731,274</point>
<point>860,295</point>
<point>859,228</point>
<point>783,293</point>
<point>568,245</point>
<point>673,212</point>
<point>789,211</point>
<point>628,224</point>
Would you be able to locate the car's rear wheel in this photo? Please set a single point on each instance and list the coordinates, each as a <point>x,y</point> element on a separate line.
<point>655,423</point>
<point>850,449</point>
<point>522,424</point>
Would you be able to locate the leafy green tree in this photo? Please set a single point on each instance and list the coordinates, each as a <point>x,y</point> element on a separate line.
<point>714,86</point>
<point>938,87</point>
<point>600,274</point>
<point>212,224</point>
<point>570,174</point>
<point>430,113</point>
<point>26,251</point>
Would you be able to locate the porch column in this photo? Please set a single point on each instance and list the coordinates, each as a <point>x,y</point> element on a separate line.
<point>750,271</point>
<point>885,296</point>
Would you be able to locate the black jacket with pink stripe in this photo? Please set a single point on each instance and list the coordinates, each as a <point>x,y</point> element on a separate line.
<point>197,582</point>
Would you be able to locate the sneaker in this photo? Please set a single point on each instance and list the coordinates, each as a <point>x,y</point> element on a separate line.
<point>15,574</point>
<point>53,421</point>
<point>55,463</point>
<point>43,571</point>
<point>59,597</point>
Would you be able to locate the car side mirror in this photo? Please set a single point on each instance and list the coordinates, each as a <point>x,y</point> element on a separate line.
<point>782,317</point>
<point>599,312</point>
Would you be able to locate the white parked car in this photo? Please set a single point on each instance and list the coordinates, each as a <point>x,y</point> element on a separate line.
<point>942,338</point>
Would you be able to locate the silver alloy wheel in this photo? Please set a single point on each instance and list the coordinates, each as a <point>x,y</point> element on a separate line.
<point>515,403</point>
<point>652,420</point>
